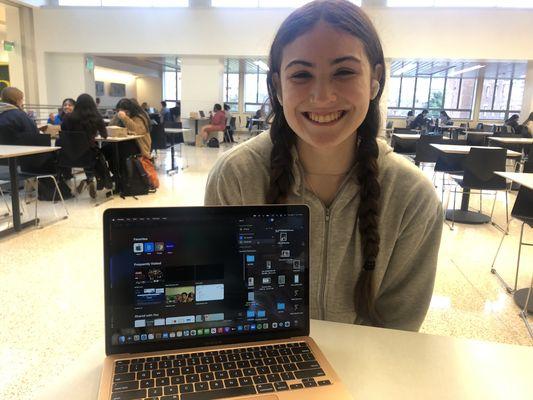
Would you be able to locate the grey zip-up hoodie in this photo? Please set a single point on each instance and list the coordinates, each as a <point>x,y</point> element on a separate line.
<point>410,227</point>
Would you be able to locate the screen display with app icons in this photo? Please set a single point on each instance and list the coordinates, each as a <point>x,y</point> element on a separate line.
<point>205,275</point>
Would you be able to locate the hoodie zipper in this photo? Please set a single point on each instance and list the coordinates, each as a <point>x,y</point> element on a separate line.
<point>322,294</point>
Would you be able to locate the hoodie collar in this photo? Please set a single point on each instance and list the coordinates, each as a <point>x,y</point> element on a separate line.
<point>6,107</point>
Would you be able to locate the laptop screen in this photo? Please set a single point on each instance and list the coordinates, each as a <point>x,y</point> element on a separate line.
<point>198,276</point>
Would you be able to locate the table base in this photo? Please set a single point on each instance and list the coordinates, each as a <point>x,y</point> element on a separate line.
<point>27,224</point>
<point>467,217</point>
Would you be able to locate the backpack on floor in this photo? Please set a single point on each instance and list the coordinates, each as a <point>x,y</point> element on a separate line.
<point>213,142</point>
<point>134,179</point>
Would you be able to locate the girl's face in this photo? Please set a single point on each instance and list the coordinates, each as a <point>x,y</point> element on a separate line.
<point>325,85</point>
<point>68,107</point>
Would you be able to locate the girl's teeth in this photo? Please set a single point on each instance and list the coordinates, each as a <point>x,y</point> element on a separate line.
<point>324,118</point>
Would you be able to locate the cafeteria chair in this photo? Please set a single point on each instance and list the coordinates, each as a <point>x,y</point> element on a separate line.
<point>450,164</point>
<point>475,140</point>
<point>523,212</point>
<point>77,152</point>
<point>38,166</point>
<point>479,166</point>
<point>425,153</point>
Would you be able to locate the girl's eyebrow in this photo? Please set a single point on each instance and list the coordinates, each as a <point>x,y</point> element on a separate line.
<point>335,61</point>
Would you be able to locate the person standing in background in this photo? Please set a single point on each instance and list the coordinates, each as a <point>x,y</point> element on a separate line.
<point>410,118</point>
<point>164,114</point>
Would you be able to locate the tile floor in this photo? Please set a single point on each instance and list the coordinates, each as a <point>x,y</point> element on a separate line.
<point>52,286</point>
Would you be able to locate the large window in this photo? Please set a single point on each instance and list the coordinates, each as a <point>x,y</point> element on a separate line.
<point>231,83</point>
<point>171,85</point>
<point>503,89</point>
<point>124,3</point>
<point>264,3</point>
<point>461,3</point>
<point>432,85</point>
<point>255,87</point>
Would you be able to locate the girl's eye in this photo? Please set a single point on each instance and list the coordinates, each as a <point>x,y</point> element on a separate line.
<point>301,75</point>
<point>344,72</point>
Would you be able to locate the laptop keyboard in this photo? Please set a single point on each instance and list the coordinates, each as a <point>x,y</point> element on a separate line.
<point>218,374</point>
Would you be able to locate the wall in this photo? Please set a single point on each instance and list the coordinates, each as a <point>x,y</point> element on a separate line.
<point>201,83</point>
<point>109,76</point>
<point>150,90</point>
<point>481,34</point>
<point>67,77</point>
<point>13,34</point>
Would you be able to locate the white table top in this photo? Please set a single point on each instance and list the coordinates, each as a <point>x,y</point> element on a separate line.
<point>7,151</point>
<point>512,140</point>
<point>524,179</point>
<point>376,363</point>
<point>461,149</point>
<point>176,130</point>
<point>407,136</point>
<point>117,138</point>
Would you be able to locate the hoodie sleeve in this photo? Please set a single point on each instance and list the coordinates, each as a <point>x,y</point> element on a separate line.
<point>405,292</point>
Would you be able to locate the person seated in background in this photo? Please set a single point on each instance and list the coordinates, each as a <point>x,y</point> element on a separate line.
<point>410,118</point>
<point>66,108</point>
<point>145,107</point>
<point>85,118</point>
<point>131,116</point>
<point>217,122</point>
<point>526,129</point>
<point>164,114</point>
<point>513,123</point>
<point>420,121</point>
<point>445,118</point>
<point>14,123</point>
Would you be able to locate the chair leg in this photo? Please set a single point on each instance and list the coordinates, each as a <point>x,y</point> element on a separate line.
<point>506,212</point>
<point>481,201</point>
<point>60,195</point>
<point>493,205</point>
<point>518,261</point>
<point>5,201</point>
<point>453,209</point>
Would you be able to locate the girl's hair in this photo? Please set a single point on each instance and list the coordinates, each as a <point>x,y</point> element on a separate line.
<point>347,17</point>
<point>12,95</point>
<point>217,107</point>
<point>86,115</point>
<point>68,100</point>
<point>134,110</point>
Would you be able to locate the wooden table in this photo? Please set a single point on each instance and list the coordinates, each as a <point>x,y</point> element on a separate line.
<point>375,363</point>
<point>463,215</point>
<point>196,120</point>
<point>172,133</point>
<point>12,153</point>
<point>520,296</point>
<point>406,136</point>
<point>115,141</point>
<point>509,140</point>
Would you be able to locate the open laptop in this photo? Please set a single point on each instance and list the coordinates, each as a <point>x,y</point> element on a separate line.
<point>210,303</point>
<point>202,114</point>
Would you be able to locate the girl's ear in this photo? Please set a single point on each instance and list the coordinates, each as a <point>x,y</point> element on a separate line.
<point>277,86</point>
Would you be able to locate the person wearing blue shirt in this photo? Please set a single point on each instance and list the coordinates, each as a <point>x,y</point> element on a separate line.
<point>66,108</point>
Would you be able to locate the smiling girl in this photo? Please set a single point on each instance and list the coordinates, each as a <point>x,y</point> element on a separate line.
<point>376,221</point>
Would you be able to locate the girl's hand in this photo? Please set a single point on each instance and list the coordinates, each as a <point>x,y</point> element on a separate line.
<point>122,115</point>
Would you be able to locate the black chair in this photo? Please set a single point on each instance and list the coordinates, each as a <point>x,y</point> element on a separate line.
<point>425,153</point>
<point>522,211</point>
<point>448,163</point>
<point>76,152</point>
<point>230,129</point>
<point>38,167</point>
<point>473,139</point>
<point>159,138</point>
<point>479,167</point>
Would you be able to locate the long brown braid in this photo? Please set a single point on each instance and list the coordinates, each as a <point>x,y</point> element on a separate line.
<point>347,17</point>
